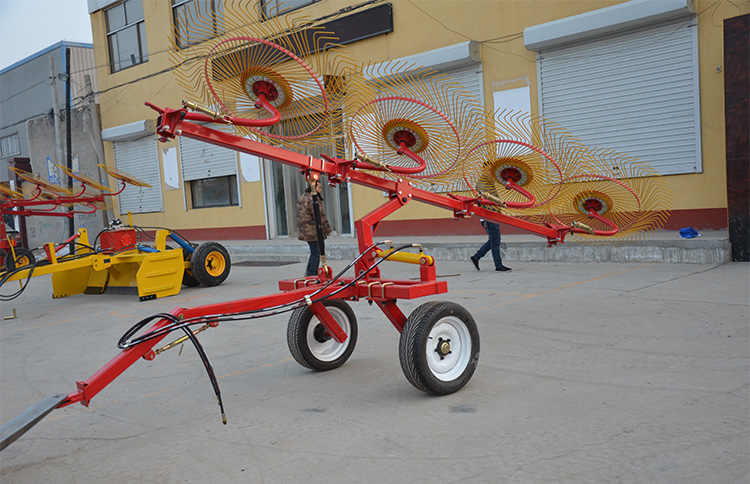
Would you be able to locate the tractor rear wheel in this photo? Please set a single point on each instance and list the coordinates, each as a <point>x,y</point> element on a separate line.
<point>210,264</point>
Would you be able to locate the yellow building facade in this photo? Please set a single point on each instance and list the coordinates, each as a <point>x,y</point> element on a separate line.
<point>511,54</point>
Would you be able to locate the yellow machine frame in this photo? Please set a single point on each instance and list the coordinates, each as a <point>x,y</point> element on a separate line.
<point>154,274</point>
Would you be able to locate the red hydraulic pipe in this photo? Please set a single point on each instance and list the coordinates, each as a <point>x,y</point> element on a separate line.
<point>404,150</point>
<point>511,185</point>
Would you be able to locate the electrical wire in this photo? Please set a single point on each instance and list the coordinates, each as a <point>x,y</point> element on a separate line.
<point>143,229</point>
<point>8,274</point>
<point>40,263</point>
<point>129,341</point>
<point>126,341</point>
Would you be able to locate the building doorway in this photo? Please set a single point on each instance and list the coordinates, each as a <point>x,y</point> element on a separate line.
<point>284,184</point>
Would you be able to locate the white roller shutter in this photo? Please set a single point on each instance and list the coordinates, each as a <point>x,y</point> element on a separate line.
<point>460,62</point>
<point>469,77</point>
<point>140,159</point>
<point>634,92</point>
<point>467,80</point>
<point>201,160</point>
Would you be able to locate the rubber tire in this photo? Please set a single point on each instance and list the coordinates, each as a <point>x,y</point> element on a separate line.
<point>24,257</point>
<point>210,264</point>
<point>417,349</point>
<point>311,347</point>
<point>188,279</point>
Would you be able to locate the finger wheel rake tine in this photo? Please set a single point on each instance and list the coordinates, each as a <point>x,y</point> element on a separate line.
<point>283,68</point>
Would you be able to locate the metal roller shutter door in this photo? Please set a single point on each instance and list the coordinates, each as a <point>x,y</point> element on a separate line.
<point>140,159</point>
<point>470,78</point>
<point>201,160</point>
<point>635,92</point>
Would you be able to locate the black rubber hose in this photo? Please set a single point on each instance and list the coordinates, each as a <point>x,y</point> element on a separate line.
<point>126,342</point>
<point>209,371</point>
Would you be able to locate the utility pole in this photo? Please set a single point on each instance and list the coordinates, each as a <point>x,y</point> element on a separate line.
<point>68,142</point>
<point>56,110</point>
<point>91,124</point>
<point>92,127</point>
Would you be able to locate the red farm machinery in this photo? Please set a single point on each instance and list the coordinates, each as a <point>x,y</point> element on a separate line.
<point>396,128</point>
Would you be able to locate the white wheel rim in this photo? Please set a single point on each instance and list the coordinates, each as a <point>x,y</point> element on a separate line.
<point>328,350</point>
<point>448,367</point>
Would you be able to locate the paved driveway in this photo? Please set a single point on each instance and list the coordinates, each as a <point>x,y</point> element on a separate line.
<point>588,373</point>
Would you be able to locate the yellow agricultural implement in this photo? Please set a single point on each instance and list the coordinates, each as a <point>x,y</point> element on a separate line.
<point>157,271</point>
<point>120,263</point>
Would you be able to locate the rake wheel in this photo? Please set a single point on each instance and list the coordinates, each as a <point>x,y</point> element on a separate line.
<point>280,80</point>
<point>240,71</point>
<point>406,134</point>
<point>497,166</point>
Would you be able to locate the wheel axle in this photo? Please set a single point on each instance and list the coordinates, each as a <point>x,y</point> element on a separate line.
<point>443,348</point>
<point>320,333</point>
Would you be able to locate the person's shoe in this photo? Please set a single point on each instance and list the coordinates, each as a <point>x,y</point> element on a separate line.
<point>474,261</point>
<point>503,269</point>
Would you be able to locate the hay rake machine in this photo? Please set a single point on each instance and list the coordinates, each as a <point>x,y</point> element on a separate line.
<point>418,138</point>
<point>120,262</point>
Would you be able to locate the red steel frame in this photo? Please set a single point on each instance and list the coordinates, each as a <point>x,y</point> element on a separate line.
<point>384,292</point>
<point>34,207</point>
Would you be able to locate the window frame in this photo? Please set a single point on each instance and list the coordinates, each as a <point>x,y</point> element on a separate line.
<point>16,144</point>
<point>216,6</point>
<point>116,65</point>
<point>265,13</point>
<point>232,191</point>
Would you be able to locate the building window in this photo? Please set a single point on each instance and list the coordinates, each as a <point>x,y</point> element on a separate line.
<point>126,35</point>
<point>197,20</point>
<point>214,192</point>
<point>10,146</point>
<point>274,8</point>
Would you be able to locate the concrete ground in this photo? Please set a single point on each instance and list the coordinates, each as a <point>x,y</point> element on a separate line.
<point>589,373</point>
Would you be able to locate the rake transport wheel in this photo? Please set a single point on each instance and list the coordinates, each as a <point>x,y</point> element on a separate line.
<point>310,343</point>
<point>210,264</point>
<point>439,347</point>
<point>24,257</point>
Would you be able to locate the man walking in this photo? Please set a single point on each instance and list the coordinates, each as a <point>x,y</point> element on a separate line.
<point>493,245</point>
